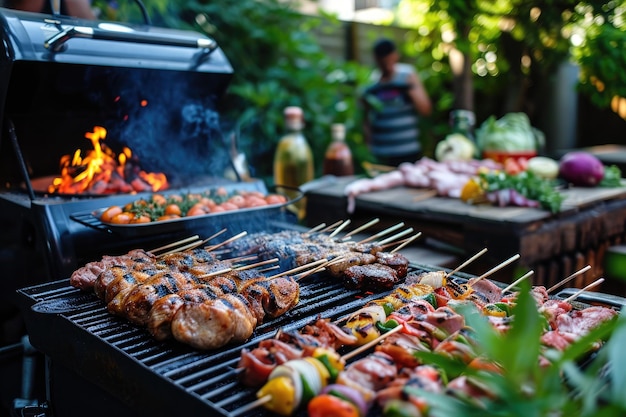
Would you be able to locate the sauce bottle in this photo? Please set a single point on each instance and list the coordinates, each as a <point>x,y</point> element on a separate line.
<point>338,157</point>
<point>293,160</point>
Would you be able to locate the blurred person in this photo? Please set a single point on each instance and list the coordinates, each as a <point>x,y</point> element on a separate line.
<point>76,8</point>
<point>391,127</point>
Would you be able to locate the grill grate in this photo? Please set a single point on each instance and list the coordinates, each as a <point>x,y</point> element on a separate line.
<point>209,377</point>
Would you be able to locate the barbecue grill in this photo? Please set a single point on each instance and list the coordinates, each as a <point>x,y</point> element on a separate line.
<point>156,91</point>
<point>102,358</point>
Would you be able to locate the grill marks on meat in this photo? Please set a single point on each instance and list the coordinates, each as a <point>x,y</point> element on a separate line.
<point>214,323</point>
<point>188,295</point>
<point>85,277</point>
<point>372,277</point>
<point>359,265</point>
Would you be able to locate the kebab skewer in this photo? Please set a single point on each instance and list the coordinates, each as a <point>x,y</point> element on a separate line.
<point>379,384</point>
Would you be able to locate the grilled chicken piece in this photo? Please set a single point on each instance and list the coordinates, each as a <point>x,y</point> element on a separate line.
<point>284,294</point>
<point>160,319</point>
<point>188,259</point>
<point>85,277</point>
<point>214,323</point>
<point>139,301</point>
<point>347,260</point>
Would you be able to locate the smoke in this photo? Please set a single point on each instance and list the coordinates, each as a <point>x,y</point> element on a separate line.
<point>170,124</point>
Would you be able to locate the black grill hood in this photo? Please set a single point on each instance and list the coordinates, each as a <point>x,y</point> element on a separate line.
<point>156,90</point>
<point>66,40</point>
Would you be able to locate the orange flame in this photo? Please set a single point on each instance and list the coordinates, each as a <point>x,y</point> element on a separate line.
<point>98,172</point>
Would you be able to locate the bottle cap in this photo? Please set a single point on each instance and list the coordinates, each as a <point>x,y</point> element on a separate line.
<point>294,117</point>
<point>293,111</point>
<point>338,131</point>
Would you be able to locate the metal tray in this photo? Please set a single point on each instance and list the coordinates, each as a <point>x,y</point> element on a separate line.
<point>193,223</point>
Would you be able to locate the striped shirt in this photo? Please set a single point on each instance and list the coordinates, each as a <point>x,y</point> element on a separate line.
<point>394,127</point>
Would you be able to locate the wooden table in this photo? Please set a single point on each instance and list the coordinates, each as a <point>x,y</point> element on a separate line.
<point>554,246</point>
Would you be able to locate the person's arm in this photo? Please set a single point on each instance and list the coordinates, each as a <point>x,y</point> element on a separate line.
<point>419,96</point>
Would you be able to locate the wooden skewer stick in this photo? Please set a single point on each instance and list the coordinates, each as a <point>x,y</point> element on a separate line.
<point>316,228</point>
<point>254,265</point>
<point>371,343</point>
<point>359,229</point>
<point>382,233</point>
<point>340,228</point>
<point>271,268</point>
<point>299,268</point>
<point>215,273</point>
<point>310,272</point>
<point>173,244</point>
<point>577,293</point>
<point>568,279</point>
<point>227,241</point>
<point>496,268</point>
<point>180,249</point>
<point>386,245</point>
<point>242,258</point>
<point>252,405</point>
<point>517,281</point>
<point>469,261</point>
<point>214,235</point>
<point>406,242</point>
<point>396,236</point>
<point>331,227</point>
<point>202,242</point>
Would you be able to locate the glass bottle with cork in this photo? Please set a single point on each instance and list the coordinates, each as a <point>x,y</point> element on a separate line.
<point>338,157</point>
<point>293,160</point>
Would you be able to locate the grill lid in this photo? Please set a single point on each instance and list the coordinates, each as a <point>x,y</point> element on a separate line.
<point>63,39</point>
<point>155,90</point>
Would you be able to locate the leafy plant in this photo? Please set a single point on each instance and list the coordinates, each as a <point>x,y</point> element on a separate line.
<point>527,386</point>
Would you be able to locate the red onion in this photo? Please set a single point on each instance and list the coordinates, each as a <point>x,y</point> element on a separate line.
<point>349,394</point>
<point>581,168</point>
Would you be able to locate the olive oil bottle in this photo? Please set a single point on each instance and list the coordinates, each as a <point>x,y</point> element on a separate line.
<point>293,160</point>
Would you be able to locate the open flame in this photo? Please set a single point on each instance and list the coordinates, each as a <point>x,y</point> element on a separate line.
<point>100,171</point>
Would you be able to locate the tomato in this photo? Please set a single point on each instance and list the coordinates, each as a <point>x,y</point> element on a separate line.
<point>254,194</point>
<point>196,211</point>
<point>141,218</point>
<point>168,217</point>
<point>124,217</point>
<point>175,198</point>
<point>108,214</point>
<point>326,405</point>
<point>237,200</point>
<point>159,199</point>
<point>228,206</point>
<point>206,201</point>
<point>255,201</point>
<point>275,199</point>
<point>512,166</point>
<point>173,209</point>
